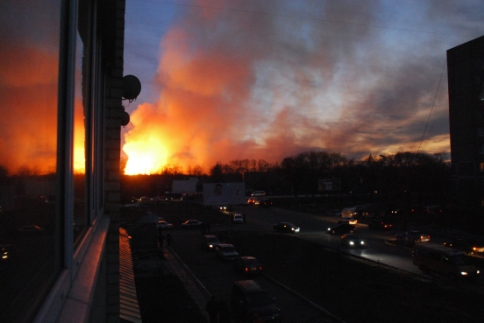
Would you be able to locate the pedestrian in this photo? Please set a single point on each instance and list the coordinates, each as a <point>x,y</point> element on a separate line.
<point>212,309</point>
<point>168,239</point>
<point>160,240</point>
<point>224,313</point>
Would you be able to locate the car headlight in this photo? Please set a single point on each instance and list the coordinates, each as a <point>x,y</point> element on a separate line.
<point>352,243</point>
<point>362,242</point>
<point>463,273</point>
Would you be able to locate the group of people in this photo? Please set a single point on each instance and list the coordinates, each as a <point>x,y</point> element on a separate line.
<point>218,311</point>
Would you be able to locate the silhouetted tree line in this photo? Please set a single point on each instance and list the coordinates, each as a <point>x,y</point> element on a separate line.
<point>398,176</point>
<point>394,176</point>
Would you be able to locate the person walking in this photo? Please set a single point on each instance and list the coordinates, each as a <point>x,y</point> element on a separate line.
<point>212,309</point>
<point>168,239</point>
<point>160,240</point>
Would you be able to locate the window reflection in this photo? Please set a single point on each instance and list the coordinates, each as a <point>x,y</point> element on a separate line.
<point>80,220</point>
<point>29,48</point>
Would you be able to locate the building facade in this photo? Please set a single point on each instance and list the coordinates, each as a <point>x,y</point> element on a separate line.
<point>62,82</point>
<point>465,67</point>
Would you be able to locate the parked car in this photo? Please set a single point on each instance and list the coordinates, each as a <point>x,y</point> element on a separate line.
<point>412,237</point>
<point>470,246</point>
<point>380,225</point>
<point>210,241</point>
<point>191,223</point>
<point>247,265</point>
<point>348,219</point>
<point>250,302</point>
<point>163,224</point>
<point>342,228</point>
<point>286,227</point>
<point>352,240</point>
<point>238,218</point>
<point>226,251</point>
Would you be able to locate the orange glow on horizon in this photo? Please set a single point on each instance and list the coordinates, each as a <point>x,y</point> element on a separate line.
<point>145,157</point>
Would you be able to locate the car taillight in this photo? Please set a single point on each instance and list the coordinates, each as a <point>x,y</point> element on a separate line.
<point>260,268</point>
<point>246,269</point>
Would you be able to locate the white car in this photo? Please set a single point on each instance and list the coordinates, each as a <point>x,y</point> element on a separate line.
<point>226,251</point>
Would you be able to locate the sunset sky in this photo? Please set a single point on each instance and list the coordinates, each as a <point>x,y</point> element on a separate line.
<point>266,79</point>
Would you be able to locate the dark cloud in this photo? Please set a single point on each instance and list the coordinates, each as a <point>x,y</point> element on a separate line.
<point>267,79</point>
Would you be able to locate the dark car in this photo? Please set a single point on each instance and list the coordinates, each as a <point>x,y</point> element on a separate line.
<point>247,265</point>
<point>6,252</point>
<point>412,237</point>
<point>380,225</point>
<point>250,302</point>
<point>210,241</point>
<point>467,246</point>
<point>352,240</point>
<point>286,227</point>
<point>266,203</point>
<point>191,223</point>
<point>342,228</point>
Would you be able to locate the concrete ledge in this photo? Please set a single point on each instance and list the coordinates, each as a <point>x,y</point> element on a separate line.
<point>71,299</point>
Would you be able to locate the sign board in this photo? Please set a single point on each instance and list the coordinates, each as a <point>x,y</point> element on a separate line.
<point>329,184</point>
<point>187,186</point>
<point>224,193</point>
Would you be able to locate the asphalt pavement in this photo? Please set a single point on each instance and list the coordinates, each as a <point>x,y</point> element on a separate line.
<point>193,286</point>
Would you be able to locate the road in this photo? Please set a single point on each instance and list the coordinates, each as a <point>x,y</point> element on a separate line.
<point>218,276</point>
<point>314,228</point>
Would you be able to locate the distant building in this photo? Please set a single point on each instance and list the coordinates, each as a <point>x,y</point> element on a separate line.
<point>465,68</point>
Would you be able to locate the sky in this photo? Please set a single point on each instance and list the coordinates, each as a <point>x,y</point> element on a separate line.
<point>226,80</point>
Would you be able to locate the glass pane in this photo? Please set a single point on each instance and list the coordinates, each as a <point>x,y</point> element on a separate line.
<point>29,47</point>
<point>81,106</point>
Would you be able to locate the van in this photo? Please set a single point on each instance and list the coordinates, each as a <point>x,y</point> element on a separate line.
<point>443,261</point>
<point>250,303</point>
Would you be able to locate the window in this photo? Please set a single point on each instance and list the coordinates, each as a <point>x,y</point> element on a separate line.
<point>481,166</point>
<point>480,131</point>
<point>29,49</point>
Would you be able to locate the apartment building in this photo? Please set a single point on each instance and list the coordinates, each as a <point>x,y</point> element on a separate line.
<point>465,66</point>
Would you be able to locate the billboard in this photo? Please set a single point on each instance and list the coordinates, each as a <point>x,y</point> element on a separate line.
<point>224,193</point>
<point>329,184</point>
<point>186,186</point>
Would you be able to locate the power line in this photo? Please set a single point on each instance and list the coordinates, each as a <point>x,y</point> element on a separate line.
<point>431,110</point>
